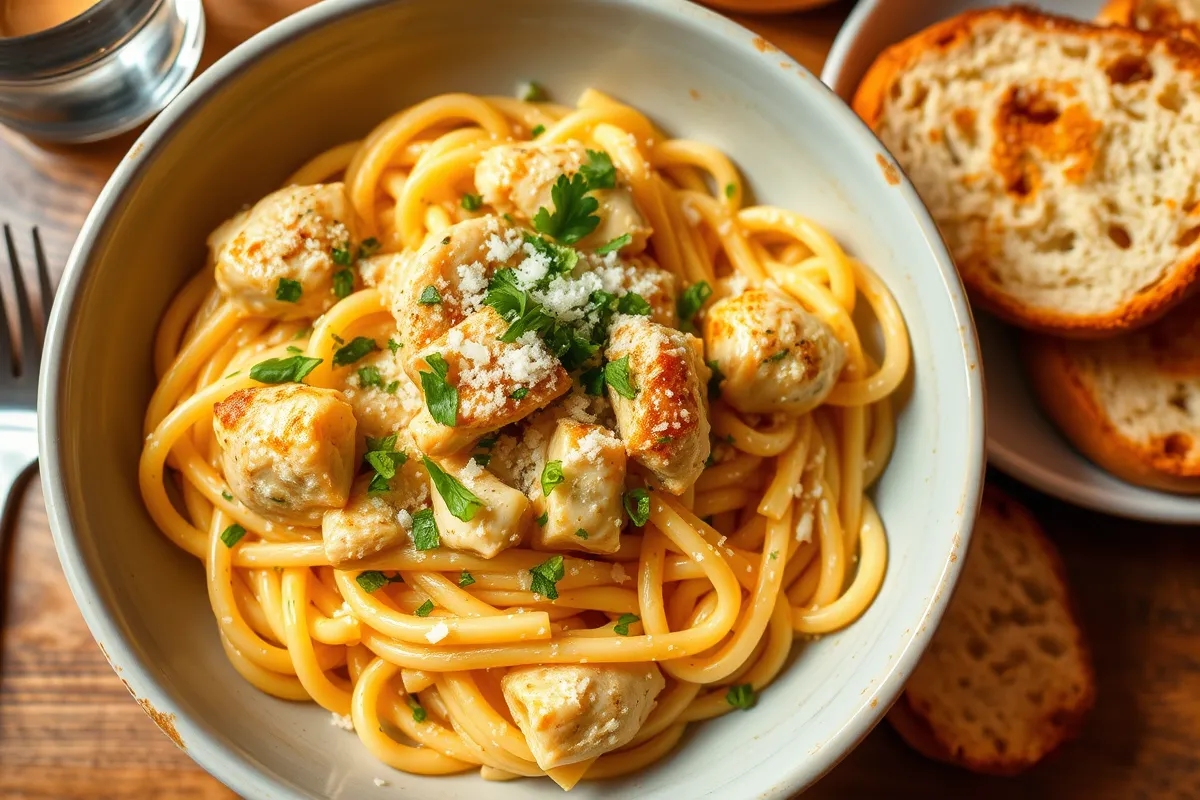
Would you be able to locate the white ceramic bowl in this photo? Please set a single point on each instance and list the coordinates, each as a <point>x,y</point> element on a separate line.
<point>1021,441</point>
<point>327,75</point>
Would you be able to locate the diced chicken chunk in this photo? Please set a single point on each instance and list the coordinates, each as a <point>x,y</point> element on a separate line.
<point>499,522</point>
<point>642,276</point>
<point>278,260</point>
<point>383,396</point>
<point>665,424</point>
<point>517,179</point>
<point>584,511</point>
<point>497,382</point>
<point>572,712</point>
<point>435,289</point>
<point>775,356</point>
<point>371,523</point>
<point>287,450</point>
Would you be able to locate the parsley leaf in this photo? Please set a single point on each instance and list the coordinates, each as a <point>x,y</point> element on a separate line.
<point>343,283</point>
<point>465,579</point>
<point>546,576</point>
<point>440,397</point>
<point>623,623</point>
<point>227,496</point>
<point>284,370</point>
<point>393,345</point>
<point>552,475</point>
<point>358,347</point>
<point>519,393</point>
<point>424,609</point>
<point>714,383</point>
<point>614,244</point>
<point>634,303</point>
<point>369,247</point>
<point>582,534</point>
<point>425,530</point>
<point>616,375</point>
<point>573,217</point>
<point>741,696</point>
<point>418,711</point>
<point>430,297</point>
<point>778,356</point>
<point>504,295</point>
<point>372,580</point>
<point>342,255</point>
<point>690,303</point>
<point>369,376</point>
<point>471,202</point>
<point>461,502</point>
<point>593,382</point>
<point>288,291</point>
<point>599,171</point>
<point>232,535</point>
<point>561,259</point>
<point>537,131</point>
<point>637,506</point>
<point>531,92</point>
<point>383,457</point>
<point>730,190</point>
<point>543,519</point>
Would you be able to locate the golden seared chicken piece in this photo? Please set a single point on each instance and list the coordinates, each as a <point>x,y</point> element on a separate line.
<point>584,511</point>
<point>495,382</point>
<point>383,396</point>
<point>517,179</point>
<point>643,276</point>
<point>373,522</point>
<point>497,523</point>
<point>278,260</point>
<point>775,356</point>
<point>440,286</point>
<point>287,450</point>
<point>665,423</point>
<point>573,712</point>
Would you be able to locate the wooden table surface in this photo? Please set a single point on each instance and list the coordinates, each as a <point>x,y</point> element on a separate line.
<point>68,728</point>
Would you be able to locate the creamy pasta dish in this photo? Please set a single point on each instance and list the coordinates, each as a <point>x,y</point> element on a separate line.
<point>514,438</point>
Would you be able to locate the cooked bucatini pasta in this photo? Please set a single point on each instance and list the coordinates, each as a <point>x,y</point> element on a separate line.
<point>510,437</point>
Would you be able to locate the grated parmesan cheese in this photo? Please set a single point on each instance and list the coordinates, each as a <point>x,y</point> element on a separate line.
<point>437,633</point>
<point>342,721</point>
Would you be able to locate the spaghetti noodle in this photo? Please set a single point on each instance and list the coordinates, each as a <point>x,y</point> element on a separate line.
<point>410,643</point>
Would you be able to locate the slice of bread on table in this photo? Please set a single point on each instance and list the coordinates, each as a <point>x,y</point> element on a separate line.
<point>1008,675</point>
<point>1058,158</point>
<point>1175,17</point>
<point>1132,403</point>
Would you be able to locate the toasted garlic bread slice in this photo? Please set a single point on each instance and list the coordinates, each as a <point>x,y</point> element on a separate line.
<point>1173,17</point>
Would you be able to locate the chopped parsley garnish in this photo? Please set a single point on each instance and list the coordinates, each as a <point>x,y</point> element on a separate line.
<point>342,255</point>
<point>574,212</point>
<point>774,555</point>
<point>291,348</point>
<point>465,579</point>
<point>543,519</point>
<point>482,459</point>
<point>690,303</point>
<point>637,506</point>
<point>393,345</point>
<point>425,530</point>
<point>392,387</point>
<point>537,131</point>
<point>616,375</point>
<point>424,609</point>
<point>664,439</point>
<point>593,382</point>
<point>488,442</point>
<point>741,696</point>
<point>232,535</point>
<point>343,283</point>
<point>288,291</point>
<point>430,297</point>
<point>582,534</point>
<point>546,577</point>
<point>369,376</point>
<point>303,333</point>
<point>418,711</point>
<point>552,475</point>
<point>471,202</point>
<point>776,356</point>
<point>634,303</point>
<point>284,370</point>
<point>383,457</point>
<point>561,259</point>
<point>369,247</point>
<point>519,393</point>
<point>358,347</point>
<point>599,171</point>
<point>714,383</point>
<point>461,502</point>
<point>227,496</point>
<point>337,339</point>
<point>440,397</point>
<point>623,623</point>
<point>730,190</point>
<point>531,92</point>
<point>524,314</point>
<point>373,580</point>
<point>614,244</point>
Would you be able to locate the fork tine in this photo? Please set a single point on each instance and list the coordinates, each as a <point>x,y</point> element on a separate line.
<point>44,285</point>
<point>29,347</point>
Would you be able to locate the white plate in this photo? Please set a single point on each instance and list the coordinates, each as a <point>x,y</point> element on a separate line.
<point>1020,440</point>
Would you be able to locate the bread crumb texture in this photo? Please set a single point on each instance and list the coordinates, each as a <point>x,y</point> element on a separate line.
<point>1007,677</point>
<point>1058,159</point>
<point>1177,17</point>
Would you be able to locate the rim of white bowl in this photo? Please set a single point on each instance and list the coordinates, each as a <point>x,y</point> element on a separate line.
<point>208,747</point>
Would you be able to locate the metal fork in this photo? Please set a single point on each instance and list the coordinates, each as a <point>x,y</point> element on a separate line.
<point>19,363</point>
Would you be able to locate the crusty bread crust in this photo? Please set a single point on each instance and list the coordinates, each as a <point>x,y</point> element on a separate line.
<point>1056,729</point>
<point>870,103</point>
<point>1160,16</point>
<point>1069,399</point>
